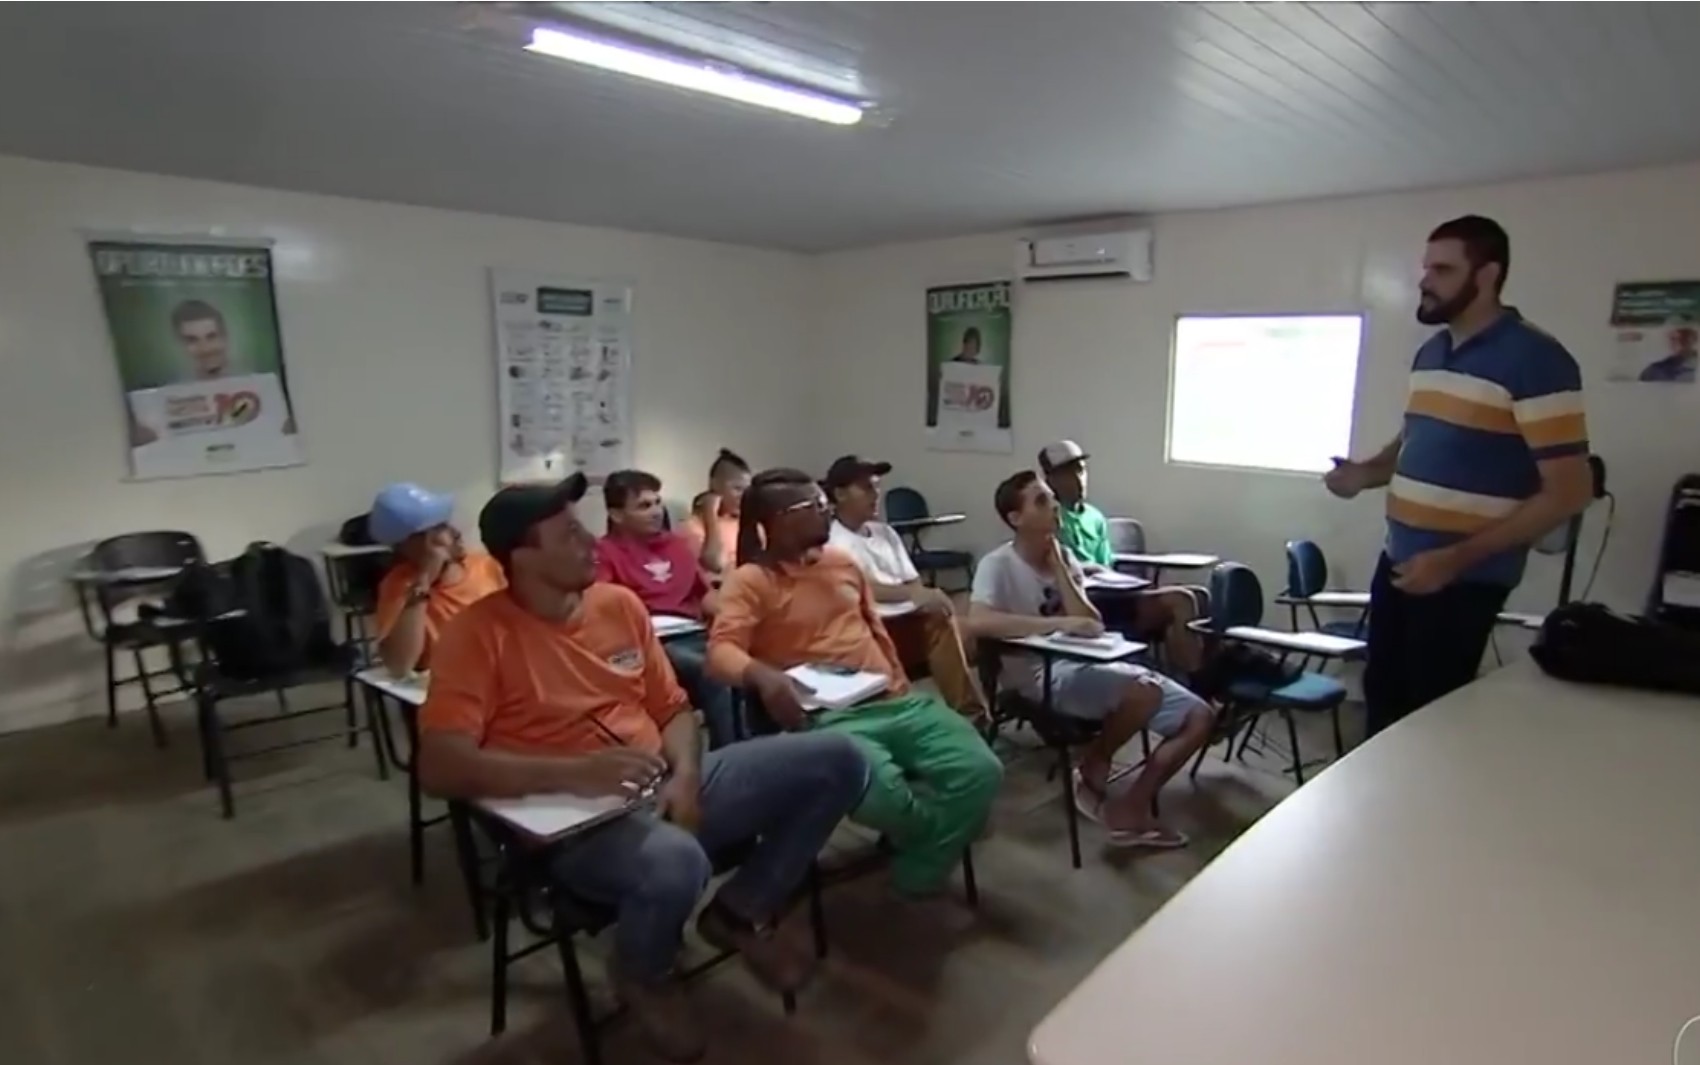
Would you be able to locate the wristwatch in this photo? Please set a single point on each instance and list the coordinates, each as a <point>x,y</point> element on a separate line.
<point>417,595</point>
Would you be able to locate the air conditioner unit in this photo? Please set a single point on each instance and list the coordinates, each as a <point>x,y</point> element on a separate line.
<point>1124,253</point>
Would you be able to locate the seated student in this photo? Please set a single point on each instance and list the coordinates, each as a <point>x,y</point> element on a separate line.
<point>1030,586</point>
<point>432,578</point>
<point>662,569</point>
<point>791,602</point>
<point>558,685</point>
<point>712,528</point>
<point>1150,614</point>
<point>930,635</point>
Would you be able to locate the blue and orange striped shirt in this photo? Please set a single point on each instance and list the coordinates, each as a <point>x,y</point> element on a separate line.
<point>1479,418</point>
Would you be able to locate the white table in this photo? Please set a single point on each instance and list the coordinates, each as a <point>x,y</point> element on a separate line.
<point>126,575</point>
<point>1506,876</point>
<point>1167,559</point>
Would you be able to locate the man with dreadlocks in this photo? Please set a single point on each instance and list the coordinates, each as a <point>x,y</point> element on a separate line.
<point>790,603</point>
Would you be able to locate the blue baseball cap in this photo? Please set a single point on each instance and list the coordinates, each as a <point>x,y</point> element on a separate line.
<point>404,509</point>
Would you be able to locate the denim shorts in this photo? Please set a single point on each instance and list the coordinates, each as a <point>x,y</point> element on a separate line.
<point>1094,690</point>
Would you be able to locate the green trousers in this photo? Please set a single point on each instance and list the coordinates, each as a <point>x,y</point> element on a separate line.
<point>931,787</point>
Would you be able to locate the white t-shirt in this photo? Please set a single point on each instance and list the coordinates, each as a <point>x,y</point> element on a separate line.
<point>878,550</point>
<point>1006,582</point>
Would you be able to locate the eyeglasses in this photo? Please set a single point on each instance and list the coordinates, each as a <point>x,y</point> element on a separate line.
<point>816,502</point>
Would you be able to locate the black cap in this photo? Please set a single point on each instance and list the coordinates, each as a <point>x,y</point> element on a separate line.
<point>512,511</point>
<point>851,469</point>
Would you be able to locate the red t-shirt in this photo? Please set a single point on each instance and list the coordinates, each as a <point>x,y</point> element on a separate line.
<point>662,570</point>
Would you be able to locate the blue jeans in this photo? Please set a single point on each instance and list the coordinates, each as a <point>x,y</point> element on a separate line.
<point>719,710</point>
<point>783,794</point>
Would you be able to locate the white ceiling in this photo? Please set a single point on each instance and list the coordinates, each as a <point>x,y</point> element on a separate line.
<point>991,115</point>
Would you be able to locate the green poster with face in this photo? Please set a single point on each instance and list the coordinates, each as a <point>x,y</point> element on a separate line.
<point>968,360</point>
<point>195,333</point>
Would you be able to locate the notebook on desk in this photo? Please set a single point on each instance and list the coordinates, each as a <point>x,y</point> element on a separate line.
<point>553,816</point>
<point>674,625</point>
<point>834,689</point>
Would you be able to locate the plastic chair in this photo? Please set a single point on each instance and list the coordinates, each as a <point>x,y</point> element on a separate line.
<point>906,511</point>
<point>1127,537</point>
<point>518,884</point>
<point>1236,602</point>
<point>142,550</point>
<point>1307,579</point>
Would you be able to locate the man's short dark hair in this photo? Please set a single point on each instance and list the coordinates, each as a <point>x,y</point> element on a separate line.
<point>1485,241</point>
<point>761,503</point>
<point>727,461</point>
<point>195,311</point>
<point>971,333</point>
<point>621,485</point>
<point>1008,496</point>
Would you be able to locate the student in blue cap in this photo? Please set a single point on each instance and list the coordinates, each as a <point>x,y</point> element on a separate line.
<point>434,576</point>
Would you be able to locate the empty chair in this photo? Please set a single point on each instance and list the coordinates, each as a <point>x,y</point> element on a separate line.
<point>1307,586</point>
<point>1127,537</point>
<point>906,511</point>
<point>137,568</point>
<point>1252,688</point>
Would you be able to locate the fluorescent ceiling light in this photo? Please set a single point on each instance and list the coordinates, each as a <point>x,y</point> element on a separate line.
<point>696,76</point>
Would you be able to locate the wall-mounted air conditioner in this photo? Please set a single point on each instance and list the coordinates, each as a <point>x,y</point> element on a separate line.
<point>1113,252</point>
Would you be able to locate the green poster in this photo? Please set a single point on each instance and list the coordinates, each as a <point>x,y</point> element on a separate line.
<point>1656,332</point>
<point>195,334</point>
<point>968,360</point>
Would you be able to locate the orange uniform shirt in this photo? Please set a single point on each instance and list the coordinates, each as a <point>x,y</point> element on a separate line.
<point>517,682</point>
<point>820,613</point>
<point>481,575</point>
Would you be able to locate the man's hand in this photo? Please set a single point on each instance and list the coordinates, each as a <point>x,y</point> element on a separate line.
<point>1056,560</point>
<point>680,801</point>
<point>431,567</point>
<point>781,696</point>
<point>706,507</point>
<point>1347,478</point>
<point>1074,625</point>
<point>933,601</point>
<point>619,771</point>
<point>1427,571</point>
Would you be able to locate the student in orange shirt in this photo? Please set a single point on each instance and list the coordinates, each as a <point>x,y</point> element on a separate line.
<point>793,603</point>
<point>559,685</point>
<point>712,528</point>
<point>432,578</point>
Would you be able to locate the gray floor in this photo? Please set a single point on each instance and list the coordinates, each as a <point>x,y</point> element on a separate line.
<point>136,927</point>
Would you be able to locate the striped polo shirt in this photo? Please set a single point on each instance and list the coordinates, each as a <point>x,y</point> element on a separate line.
<point>1479,418</point>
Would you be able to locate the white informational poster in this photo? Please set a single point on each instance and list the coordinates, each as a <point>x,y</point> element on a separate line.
<point>970,397</point>
<point>221,425</point>
<point>563,376</point>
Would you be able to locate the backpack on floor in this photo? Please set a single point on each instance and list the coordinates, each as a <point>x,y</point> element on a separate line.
<point>1592,644</point>
<point>282,623</point>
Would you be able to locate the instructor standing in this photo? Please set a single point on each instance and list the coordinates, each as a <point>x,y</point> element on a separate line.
<point>1493,456</point>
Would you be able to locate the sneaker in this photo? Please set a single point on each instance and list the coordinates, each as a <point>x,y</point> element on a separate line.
<point>777,964</point>
<point>664,1018</point>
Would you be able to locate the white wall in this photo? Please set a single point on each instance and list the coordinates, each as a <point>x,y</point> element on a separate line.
<point>1092,360</point>
<point>386,328</point>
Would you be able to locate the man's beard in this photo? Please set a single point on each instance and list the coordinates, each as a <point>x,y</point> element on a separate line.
<point>1442,312</point>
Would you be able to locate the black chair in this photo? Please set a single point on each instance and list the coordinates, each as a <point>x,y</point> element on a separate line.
<point>1060,733</point>
<point>906,511</point>
<point>515,883</point>
<point>214,682</point>
<point>353,582</point>
<point>135,552</point>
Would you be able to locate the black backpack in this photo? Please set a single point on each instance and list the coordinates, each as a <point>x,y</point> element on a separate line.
<point>282,625</point>
<point>1592,644</point>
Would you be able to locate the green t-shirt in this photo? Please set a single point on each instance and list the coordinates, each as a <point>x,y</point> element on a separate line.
<point>1086,532</point>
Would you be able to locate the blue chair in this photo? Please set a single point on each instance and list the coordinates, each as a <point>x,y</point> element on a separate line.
<point>1236,609</point>
<point>1307,586</point>
<point>906,511</point>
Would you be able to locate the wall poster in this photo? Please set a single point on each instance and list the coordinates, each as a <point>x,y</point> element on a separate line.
<point>200,357</point>
<point>968,355</point>
<point>1656,329</point>
<point>563,376</point>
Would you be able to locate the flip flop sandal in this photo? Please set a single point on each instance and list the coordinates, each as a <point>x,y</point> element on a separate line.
<point>1088,802</point>
<point>1150,839</point>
